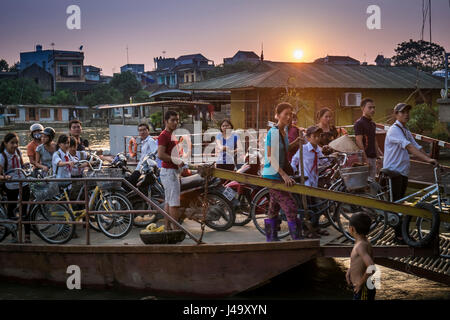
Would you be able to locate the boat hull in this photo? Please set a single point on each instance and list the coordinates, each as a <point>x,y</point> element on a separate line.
<point>210,270</point>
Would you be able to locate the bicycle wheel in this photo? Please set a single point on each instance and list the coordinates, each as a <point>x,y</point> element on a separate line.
<point>379,219</point>
<point>418,231</point>
<point>114,225</point>
<point>331,211</point>
<point>53,233</point>
<point>259,209</point>
<point>4,231</point>
<point>243,215</point>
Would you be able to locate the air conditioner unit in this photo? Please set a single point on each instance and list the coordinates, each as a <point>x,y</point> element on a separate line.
<point>351,99</point>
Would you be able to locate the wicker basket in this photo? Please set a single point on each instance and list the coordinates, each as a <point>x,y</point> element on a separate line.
<point>107,173</point>
<point>355,178</point>
<point>165,237</point>
<point>45,191</point>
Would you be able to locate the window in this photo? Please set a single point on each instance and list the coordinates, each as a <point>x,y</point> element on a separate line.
<point>136,112</point>
<point>32,113</point>
<point>192,77</point>
<point>12,111</point>
<point>63,69</point>
<point>45,113</point>
<point>76,70</point>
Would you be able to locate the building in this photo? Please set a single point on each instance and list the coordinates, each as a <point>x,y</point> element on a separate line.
<point>92,73</point>
<point>45,114</point>
<point>242,56</point>
<point>188,68</point>
<point>39,75</point>
<point>345,60</point>
<point>64,66</point>
<point>255,93</point>
<point>135,68</point>
<point>36,73</point>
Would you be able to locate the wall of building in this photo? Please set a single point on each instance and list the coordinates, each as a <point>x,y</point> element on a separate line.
<point>237,110</point>
<point>65,114</point>
<point>315,99</point>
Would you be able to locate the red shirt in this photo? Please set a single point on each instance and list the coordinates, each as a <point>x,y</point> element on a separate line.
<point>169,141</point>
<point>31,149</point>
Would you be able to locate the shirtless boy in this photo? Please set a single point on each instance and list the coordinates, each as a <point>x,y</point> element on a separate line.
<point>361,258</point>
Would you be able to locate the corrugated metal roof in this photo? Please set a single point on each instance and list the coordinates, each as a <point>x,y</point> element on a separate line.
<point>311,75</point>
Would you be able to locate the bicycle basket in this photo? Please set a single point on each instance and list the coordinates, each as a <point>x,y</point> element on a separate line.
<point>45,191</point>
<point>355,177</point>
<point>109,173</point>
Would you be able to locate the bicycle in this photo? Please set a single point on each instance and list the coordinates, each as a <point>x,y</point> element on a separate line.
<point>418,231</point>
<point>54,233</point>
<point>102,198</point>
<point>321,209</point>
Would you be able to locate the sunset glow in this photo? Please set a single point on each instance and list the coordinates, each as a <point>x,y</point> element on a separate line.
<point>298,54</point>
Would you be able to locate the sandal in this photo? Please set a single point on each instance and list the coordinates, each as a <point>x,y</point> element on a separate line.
<point>312,235</point>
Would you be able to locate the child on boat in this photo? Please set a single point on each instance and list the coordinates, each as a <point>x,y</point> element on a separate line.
<point>11,158</point>
<point>361,258</point>
<point>311,160</point>
<point>62,161</point>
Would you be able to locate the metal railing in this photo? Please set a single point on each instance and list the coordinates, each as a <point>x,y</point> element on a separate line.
<point>20,202</point>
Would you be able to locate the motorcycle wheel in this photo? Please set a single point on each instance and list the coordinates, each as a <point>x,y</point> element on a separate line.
<point>218,202</point>
<point>243,213</point>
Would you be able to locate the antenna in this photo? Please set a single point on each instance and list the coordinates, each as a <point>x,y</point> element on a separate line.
<point>127,55</point>
<point>262,51</point>
<point>164,53</point>
<point>53,46</point>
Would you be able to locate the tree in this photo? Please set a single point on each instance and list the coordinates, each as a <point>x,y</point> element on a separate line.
<point>15,67</point>
<point>19,91</point>
<point>422,121</point>
<point>103,94</point>
<point>63,97</point>
<point>427,57</point>
<point>141,96</point>
<point>4,65</point>
<point>126,83</point>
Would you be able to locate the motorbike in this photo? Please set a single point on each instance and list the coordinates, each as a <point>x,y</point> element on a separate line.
<point>221,200</point>
<point>147,183</point>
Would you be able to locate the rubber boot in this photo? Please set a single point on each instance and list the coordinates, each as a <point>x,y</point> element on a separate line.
<point>270,227</point>
<point>295,229</point>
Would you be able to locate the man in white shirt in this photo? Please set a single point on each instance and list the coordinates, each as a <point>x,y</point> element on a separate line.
<point>399,144</point>
<point>149,145</point>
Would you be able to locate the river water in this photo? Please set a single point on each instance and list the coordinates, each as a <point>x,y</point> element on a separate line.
<point>322,278</point>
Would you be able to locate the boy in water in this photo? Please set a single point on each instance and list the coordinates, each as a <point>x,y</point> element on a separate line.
<point>361,257</point>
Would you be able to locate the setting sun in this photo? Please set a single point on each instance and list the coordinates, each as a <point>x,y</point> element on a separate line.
<point>298,54</point>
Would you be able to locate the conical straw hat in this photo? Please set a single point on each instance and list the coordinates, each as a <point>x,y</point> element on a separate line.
<point>344,144</point>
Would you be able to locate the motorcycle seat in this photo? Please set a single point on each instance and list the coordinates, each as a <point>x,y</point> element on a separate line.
<point>191,182</point>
